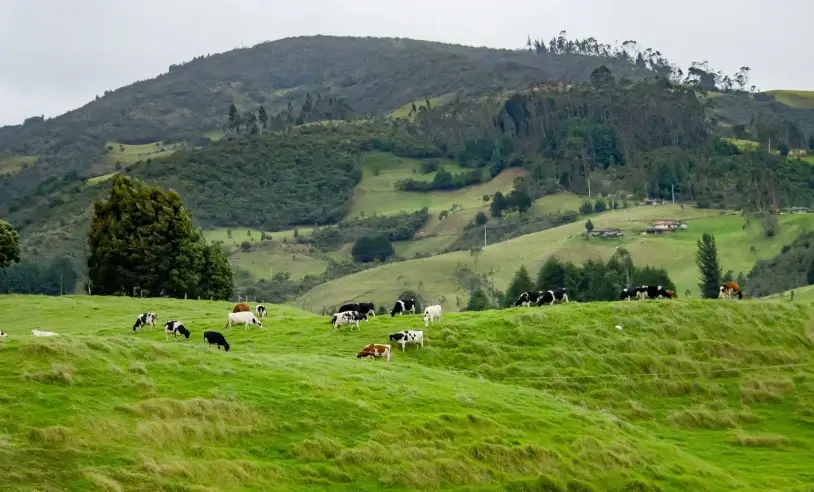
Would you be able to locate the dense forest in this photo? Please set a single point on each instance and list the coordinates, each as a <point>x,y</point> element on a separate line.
<point>793,267</point>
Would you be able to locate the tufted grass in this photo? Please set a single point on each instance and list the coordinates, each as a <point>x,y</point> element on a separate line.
<point>690,395</point>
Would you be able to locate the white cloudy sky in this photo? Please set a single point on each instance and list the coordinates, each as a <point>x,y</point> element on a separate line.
<point>55,55</point>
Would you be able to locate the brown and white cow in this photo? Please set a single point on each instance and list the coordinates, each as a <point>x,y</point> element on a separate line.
<point>375,350</point>
<point>241,307</point>
<point>729,288</point>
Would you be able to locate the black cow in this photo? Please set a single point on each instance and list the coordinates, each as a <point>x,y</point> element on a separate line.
<point>402,306</point>
<point>628,294</point>
<point>654,292</point>
<point>551,296</point>
<point>528,298</point>
<point>362,307</point>
<point>175,328</point>
<point>145,319</point>
<point>213,337</point>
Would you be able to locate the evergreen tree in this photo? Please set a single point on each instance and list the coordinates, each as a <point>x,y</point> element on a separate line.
<point>589,226</point>
<point>520,283</point>
<point>551,274</point>
<point>142,240</point>
<point>811,142</point>
<point>810,274</point>
<point>9,245</point>
<point>217,280</point>
<point>709,266</point>
<point>478,301</point>
<point>234,118</point>
<point>263,117</point>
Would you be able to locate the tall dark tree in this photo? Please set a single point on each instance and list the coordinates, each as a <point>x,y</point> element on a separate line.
<point>9,245</point>
<point>551,275</point>
<point>520,283</point>
<point>477,301</point>
<point>810,274</point>
<point>234,118</point>
<point>263,117</point>
<point>217,280</point>
<point>811,142</point>
<point>141,241</point>
<point>709,266</point>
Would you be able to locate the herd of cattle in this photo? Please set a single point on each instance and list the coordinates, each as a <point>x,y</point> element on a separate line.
<point>354,313</point>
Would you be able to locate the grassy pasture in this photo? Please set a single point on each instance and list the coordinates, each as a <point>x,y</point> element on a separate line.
<point>691,395</point>
<point>795,99</point>
<point>13,164</point>
<point>404,111</point>
<point>434,277</point>
<point>129,154</point>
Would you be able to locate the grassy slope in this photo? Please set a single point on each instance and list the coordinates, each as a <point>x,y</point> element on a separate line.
<point>290,408</point>
<point>795,99</point>
<point>434,277</point>
<point>801,294</point>
<point>13,164</point>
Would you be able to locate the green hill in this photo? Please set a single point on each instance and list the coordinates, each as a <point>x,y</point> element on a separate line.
<point>435,278</point>
<point>688,396</point>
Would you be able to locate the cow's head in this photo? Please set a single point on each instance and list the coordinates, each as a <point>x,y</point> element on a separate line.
<point>254,320</point>
<point>363,316</point>
<point>183,331</point>
<point>3,334</point>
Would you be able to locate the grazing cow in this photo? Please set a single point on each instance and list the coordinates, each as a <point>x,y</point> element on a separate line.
<point>213,337</point>
<point>729,288</point>
<point>408,336</point>
<point>671,294</point>
<point>260,311</point>
<point>347,318</point>
<point>39,333</point>
<point>402,306</point>
<point>551,296</point>
<point>363,307</point>
<point>628,294</point>
<point>431,313</point>
<point>375,351</point>
<point>641,292</point>
<point>241,307</point>
<point>528,298</point>
<point>242,318</point>
<point>655,292</point>
<point>145,319</point>
<point>175,328</point>
<point>3,334</point>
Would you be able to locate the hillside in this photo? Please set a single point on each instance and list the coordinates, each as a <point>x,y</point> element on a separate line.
<point>437,279</point>
<point>372,75</point>
<point>681,399</point>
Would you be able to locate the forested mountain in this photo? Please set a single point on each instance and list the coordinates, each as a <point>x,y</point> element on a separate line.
<point>372,75</point>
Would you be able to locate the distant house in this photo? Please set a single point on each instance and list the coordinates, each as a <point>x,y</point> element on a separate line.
<point>607,233</point>
<point>669,225</point>
<point>653,201</point>
<point>799,210</point>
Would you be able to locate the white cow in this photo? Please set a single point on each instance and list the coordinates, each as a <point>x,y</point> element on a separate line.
<point>39,333</point>
<point>408,336</point>
<point>242,318</point>
<point>3,334</point>
<point>431,313</point>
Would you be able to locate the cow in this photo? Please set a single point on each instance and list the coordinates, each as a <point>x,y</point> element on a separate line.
<point>729,288</point>
<point>175,328</point>
<point>528,298</point>
<point>551,296</point>
<point>145,319</point>
<point>260,311</point>
<point>241,307</point>
<point>408,336</point>
<point>241,318</point>
<point>3,334</point>
<point>654,292</point>
<point>375,351</point>
<point>402,306</point>
<point>671,294</point>
<point>628,294</point>
<point>39,333</point>
<point>213,337</point>
<point>363,307</point>
<point>347,318</point>
<point>431,313</point>
<point>641,292</point>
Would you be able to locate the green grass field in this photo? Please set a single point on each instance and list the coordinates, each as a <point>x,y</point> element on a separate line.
<point>263,263</point>
<point>690,395</point>
<point>796,99</point>
<point>434,277</point>
<point>13,164</point>
<point>128,154</point>
<point>801,294</point>
<point>99,179</point>
<point>404,111</point>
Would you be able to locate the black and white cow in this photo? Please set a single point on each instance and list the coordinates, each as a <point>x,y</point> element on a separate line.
<point>347,318</point>
<point>363,307</point>
<point>551,296</point>
<point>3,334</point>
<point>415,337</point>
<point>654,292</point>
<point>402,306</point>
<point>528,298</point>
<point>628,294</point>
<point>213,337</point>
<point>260,310</point>
<point>174,328</point>
<point>145,319</point>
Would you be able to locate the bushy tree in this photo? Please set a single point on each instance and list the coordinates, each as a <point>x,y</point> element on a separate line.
<point>478,301</point>
<point>367,249</point>
<point>520,283</point>
<point>709,266</point>
<point>551,275</point>
<point>9,245</point>
<point>141,240</point>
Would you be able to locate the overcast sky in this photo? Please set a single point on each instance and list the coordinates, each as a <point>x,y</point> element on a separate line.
<point>56,55</point>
